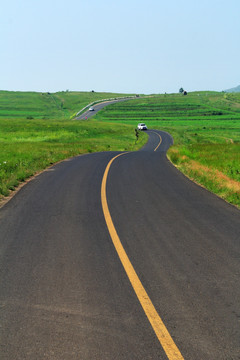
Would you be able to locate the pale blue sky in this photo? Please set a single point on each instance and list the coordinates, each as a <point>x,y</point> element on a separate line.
<point>130,46</point>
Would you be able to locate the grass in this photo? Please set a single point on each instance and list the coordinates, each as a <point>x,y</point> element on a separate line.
<point>215,166</point>
<point>35,132</point>
<point>34,105</point>
<point>206,131</point>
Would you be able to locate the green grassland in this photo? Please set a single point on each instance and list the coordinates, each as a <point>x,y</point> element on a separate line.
<point>206,131</point>
<point>60,105</point>
<point>36,131</point>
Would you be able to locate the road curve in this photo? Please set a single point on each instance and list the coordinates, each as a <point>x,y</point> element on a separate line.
<point>97,107</point>
<point>64,292</point>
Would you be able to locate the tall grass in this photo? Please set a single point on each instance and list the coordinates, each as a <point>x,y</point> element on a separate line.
<point>216,166</point>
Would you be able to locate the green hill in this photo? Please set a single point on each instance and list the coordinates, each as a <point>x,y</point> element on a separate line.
<point>36,105</point>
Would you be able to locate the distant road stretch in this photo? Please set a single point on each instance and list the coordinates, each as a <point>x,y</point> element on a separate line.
<point>88,113</point>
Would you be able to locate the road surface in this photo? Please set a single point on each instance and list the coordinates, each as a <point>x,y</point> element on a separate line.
<point>64,291</point>
<point>97,107</point>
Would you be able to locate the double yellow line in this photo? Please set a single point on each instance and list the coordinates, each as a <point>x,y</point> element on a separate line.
<point>158,326</point>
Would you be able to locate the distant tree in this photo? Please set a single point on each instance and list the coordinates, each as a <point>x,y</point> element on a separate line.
<point>181,90</point>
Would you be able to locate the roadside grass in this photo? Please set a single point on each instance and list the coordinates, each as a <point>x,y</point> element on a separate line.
<point>215,166</point>
<point>206,131</point>
<point>33,146</point>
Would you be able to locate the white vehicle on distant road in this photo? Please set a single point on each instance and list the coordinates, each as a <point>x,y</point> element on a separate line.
<point>142,126</point>
<point>91,109</point>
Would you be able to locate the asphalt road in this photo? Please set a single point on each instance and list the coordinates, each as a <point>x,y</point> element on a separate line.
<point>97,107</point>
<point>64,293</point>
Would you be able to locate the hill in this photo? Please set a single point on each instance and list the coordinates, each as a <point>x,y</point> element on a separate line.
<point>236,89</point>
<point>36,105</point>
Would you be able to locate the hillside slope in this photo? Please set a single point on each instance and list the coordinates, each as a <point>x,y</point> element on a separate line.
<point>236,89</point>
<point>36,105</point>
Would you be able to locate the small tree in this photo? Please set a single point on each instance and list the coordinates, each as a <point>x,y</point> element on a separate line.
<point>137,135</point>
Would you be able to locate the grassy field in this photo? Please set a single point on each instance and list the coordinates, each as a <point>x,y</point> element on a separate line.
<point>36,131</point>
<point>206,131</point>
<point>34,105</point>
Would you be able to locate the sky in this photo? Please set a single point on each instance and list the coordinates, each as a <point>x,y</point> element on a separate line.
<point>127,46</point>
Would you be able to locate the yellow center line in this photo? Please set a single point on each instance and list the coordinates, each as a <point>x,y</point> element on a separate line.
<point>158,326</point>
<point>159,138</point>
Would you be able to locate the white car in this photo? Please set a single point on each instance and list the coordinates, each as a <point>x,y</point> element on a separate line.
<point>91,109</point>
<point>142,126</point>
